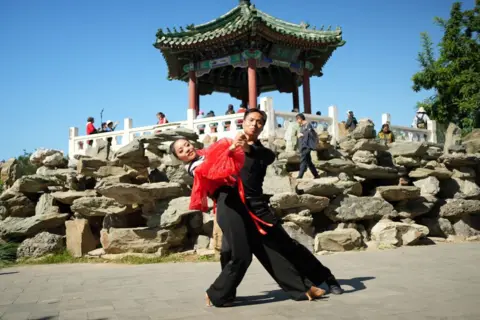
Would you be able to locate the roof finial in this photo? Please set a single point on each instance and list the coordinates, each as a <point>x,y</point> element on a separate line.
<point>240,2</point>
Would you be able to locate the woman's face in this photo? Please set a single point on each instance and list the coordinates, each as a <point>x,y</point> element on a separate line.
<point>386,128</point>
<point>184,150</point>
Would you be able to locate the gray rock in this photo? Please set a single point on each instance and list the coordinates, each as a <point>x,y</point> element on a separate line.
<point>80,239</point>
<point>303,221</point>
<point>38,157</point>
<point>290,200</point>
<point>336,165</point>
<point>460,160</point>
<point>35,183</point>
<point>297,233</point>
<point>438,227</point>
<point>327,187</point>
<point>131,220</point>
<point>99,151</point>
<point>276,180</point>
<point>98,207</point>
<point>433,153</point>
<point>170,135</point>
<point>415,207</point>
<point>107,171</point>
<point>348,208</point>
<point>56,160</point>
<point>133,150</point>
<point>141,240</point>
<point>398,193</point>
<point>290,156</point>
<point>459,189</point>
<point>408,162</point>
<point>21,228</point>
<point>16,205</point>
<point>389,233</point>
<point>364,130</point>
<point>464,173</point>
<point>202,242</point>
<point>349,145</point>
<point>9,172</point>
<point>338,240</point>
<point>371,171</point>
<point>178,174</point>
<point>453,137</point>
<point>208,222</point>
<point>68,197</point>
<point>369,145</point>
<point>45,205</point>
<point>357,226</point>
<point>472,141</point>
<point>428,186</point>
<point>88,166</point>
<point>408,149</point>
<point>177,210</point>
<point>40,245</point>
<point>138,194</point>
<point>422,173</point>
<point>363,156</point>
<point>459,208</point>
<point>467,226</point>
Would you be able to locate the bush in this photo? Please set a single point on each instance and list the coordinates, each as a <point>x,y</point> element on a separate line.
<point>1,186</point>
<point>8,253</point>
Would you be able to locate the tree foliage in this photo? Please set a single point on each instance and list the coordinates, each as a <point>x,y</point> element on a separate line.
<point>25,167</point>
<point>455,74</point>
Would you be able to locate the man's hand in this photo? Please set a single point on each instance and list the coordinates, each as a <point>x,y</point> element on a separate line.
<point>241,142</point>
<point>300,135</point>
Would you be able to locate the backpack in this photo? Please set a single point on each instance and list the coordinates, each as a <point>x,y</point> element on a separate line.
<point>421,123</point>
<point>312,141</point>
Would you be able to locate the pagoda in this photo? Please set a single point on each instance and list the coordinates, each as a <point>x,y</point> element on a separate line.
<point>247,52</point>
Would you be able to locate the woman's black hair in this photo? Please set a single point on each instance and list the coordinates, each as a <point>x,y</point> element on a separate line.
<point>255,110</point>
<point>172,146</point>
<point>90,119</point>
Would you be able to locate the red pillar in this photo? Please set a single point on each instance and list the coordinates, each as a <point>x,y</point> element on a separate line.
<point>296,103</point>
<point>252,83</point>
<point>197,98</point>
<point>307,102</point>
<point>192,90</point>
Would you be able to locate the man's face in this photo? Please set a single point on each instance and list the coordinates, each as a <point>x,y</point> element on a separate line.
<point>299,120</point>
<point>253,124</point>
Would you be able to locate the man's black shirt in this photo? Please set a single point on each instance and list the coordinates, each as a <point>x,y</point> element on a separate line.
<point>255,168</point>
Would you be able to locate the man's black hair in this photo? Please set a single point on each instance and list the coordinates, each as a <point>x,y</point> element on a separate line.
<point>301,116</point>
<point>256,110</point>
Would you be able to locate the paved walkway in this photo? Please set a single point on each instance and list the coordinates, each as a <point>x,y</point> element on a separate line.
<point>435,282</point>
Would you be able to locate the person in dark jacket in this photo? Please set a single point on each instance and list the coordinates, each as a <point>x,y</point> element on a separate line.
<point>308,141</point>
<point>352,122</point>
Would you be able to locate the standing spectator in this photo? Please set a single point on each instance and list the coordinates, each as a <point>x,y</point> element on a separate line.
<point>90,129</point>
<point>161,118</point>
<point>385,134</point>
<point>201,127</point>
<point>308,142</point>
<point>419,122</point>
<point>352,122</point>
<point>242,109</point>
<point>213,126</point>
<point>229,111</point>
<point>315,123</point>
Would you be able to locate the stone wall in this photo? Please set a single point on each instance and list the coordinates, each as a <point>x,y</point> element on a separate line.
<point>136,200</point>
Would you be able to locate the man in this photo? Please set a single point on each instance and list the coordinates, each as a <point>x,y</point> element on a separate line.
<point>308,141</point>
<point>352,122</point>
<point>420,122</point>
<point>276,239</point>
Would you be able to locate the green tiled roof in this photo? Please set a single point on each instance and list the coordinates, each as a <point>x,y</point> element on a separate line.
<point>243,19</point>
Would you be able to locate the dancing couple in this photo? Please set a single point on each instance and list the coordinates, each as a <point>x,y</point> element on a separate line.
<point>231,172</point>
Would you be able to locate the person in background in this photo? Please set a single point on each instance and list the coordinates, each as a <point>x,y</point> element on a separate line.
<point>110,126</point>
<point>385,134</point>
<point>242,109</point>
<point>352,122</point>
<point>315,123</point>
<point>90,129</point>
<point>213,126</point>
<point>419,122</point>
<point>229,111</point>
<point>404,181</point>
<point>201,127</point>
<point>161,118</point>
<point>308,141</point>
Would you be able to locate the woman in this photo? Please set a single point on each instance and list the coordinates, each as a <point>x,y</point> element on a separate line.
<point>90,129</point>
<point>385,134</point>
<point>161,118</point>
<point>215,173</point>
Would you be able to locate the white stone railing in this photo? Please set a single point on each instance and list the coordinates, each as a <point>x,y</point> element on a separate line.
<point>403,133</point>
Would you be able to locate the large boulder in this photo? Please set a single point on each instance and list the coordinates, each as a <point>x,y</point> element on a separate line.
<point>459,189</point>
<point>389,233</point>
<point>21,228</point>
<point>35,184</point>
<point>9,172</point>
<point>336,165</point>
<point>46,205</point>
<point>304,220</point>
<point>126,193</point>
<point>464,173</point>
<point>108,171</point>
<point>338,240</point>
<point>467,226</point>
<point>16,205</point>
<point>364,156</point>
<point>398,193</point>
<point>472,141</point>
<point>142,240</point>
<point>67,197</point>
<point>349,208</point>
<point>408,149</point>
<point>328,187</point>
<point>372,171</point>
<point>176,212</point>
<point>453,137</point>
<point>438,227</point>
<point>178,174</point>
<point>428,186</point>
<point>98,207</point>
<point>80,239</point>
<point>460,160</point>
<point>298,234</point>
<point>422,173</point>
<point>459,208</point>
<point>130,152</point>
<point>40,245</point>
<point>48,157</point>
<point>369,145</point>
<point>276,180</point>
<point>415,207</point>
<point>365,130</point>
<point>88,166</point>
<point>290,200</point>
<point>408,162</point>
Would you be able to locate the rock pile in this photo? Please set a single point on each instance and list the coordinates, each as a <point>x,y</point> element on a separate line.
<point>135,200</point>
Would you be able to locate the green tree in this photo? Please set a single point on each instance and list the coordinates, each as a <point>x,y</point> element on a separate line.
<point>455,75</point>
<point>25,167</point>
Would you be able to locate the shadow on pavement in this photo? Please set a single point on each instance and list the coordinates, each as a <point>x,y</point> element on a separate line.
<point>268,297</point>
<point>5,273</point>
<point>356,283</point>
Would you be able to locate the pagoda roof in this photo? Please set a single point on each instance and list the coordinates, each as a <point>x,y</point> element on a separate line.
<point>245,18</point>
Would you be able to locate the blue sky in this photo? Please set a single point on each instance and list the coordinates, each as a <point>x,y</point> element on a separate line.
<point>62,61</point>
